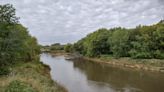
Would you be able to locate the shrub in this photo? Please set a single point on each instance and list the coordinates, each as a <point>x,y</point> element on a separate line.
<point>4,71</point>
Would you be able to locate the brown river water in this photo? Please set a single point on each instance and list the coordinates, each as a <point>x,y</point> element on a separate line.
<point>86,76</point>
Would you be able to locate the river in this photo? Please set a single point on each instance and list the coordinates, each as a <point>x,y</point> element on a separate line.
<point>85,76</point>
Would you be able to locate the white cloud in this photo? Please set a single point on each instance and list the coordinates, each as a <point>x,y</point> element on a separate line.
<point>69,20</point>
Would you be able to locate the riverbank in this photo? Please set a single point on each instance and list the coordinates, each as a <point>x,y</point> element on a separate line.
<point>58,53</point>
<point>99,77</point>
<point>29,77</point>
<point>154,65</point>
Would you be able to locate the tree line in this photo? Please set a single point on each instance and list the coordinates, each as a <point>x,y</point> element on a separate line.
<point>16,44</point>
<point>141,42</point>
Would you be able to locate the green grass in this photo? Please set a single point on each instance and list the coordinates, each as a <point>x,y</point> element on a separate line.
<point>18,86</point>
<point>107,57</point>
<point>149,62</point>
<point>29,77</point>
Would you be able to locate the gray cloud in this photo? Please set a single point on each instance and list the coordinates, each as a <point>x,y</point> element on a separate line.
<point>69,20</point>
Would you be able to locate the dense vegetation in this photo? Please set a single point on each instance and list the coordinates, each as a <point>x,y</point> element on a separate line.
<point>20,69</point>
<point>140,42</point>
<point>56,47</point>
<point>16,45</point>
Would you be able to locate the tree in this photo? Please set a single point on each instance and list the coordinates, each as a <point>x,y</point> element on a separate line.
<point>120,42</point>
<point>7,14</point>
<point>159,42</point>
<point>140,42</point>
<point>68,48</point>
<point>16,44</point>
<point>57,46</point>
<point>79,47</point>
<point>94,44</point>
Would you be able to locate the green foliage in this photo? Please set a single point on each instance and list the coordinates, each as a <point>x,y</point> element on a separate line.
<point>68,48</point>
<point>54,47</point>
<point>18,86</point>
<point>7,14</point>
<point>79,47</point>
<point>120,42</point>
<point>148,42</point>
<point>95,43</point>
<point>140,42</point>
<point>15,42</point>
<point>57,46</point>
<point>4,71</point>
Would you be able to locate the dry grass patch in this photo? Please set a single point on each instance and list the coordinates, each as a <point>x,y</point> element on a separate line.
<point>33,75</point>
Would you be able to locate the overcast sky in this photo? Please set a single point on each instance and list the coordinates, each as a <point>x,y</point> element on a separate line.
<point>67,21</point>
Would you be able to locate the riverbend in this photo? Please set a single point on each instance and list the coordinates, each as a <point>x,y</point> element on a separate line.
<point>84,76</point>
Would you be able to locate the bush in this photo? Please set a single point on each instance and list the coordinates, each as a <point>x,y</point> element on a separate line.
<point>4,71</point>
<point>158,54</point>
<point>68,48</point>
<point>16,44</point>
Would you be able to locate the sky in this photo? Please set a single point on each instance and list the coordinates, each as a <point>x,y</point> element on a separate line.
<point>67,21</point>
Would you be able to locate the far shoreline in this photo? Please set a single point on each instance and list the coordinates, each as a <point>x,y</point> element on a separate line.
<point>124,62</point>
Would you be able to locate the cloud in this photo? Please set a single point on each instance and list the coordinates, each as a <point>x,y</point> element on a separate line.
<point>67,21</point>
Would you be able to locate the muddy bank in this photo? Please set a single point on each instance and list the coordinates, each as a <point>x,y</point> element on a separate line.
<point>147,65</point>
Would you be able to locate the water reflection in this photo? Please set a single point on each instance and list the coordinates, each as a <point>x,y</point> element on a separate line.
<point>84,76</point>
<point>122,79</point>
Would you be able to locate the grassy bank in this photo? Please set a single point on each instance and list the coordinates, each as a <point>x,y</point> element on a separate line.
<point>29,77</point>
<point>138,64</point>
